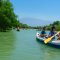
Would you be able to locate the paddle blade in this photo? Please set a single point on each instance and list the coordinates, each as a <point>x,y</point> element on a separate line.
<point>47,40</point>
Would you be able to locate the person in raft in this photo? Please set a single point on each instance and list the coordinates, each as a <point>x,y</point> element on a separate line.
<point>43,32</point>
<point>52,32</point>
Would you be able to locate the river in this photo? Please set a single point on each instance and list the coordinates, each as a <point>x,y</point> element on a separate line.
<point>22,45</point>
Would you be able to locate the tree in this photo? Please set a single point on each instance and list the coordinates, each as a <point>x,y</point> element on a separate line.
<point>8,19</point>
<point>56,23</point>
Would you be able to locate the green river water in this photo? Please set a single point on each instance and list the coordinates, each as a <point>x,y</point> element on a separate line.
<point>22,45</point>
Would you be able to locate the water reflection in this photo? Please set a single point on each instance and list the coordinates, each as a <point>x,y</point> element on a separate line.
<point>6,45</point>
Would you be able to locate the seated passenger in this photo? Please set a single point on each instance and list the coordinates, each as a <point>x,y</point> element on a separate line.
<point>52,32</point>
<point>43,32</point>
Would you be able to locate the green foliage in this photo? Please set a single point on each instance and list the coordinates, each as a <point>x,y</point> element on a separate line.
<point>48,27</point>
<point>8,19</point>
<point>58,28</point>
<point>56,23</point>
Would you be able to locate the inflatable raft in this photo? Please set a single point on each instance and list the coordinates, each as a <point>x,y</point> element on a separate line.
<point>53,43</point>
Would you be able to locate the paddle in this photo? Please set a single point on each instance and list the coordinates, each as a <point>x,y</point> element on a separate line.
<point>50,38</point>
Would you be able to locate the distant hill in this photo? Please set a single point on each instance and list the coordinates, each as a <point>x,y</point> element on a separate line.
<point>35,22</point>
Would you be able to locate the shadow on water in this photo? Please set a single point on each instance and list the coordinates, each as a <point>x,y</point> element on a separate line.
<point>6,45</point>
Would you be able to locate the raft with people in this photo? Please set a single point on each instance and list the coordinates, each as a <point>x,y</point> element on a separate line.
<point>52,39</point>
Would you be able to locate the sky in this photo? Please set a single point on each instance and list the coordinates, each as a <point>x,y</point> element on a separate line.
<point>48,10</point>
